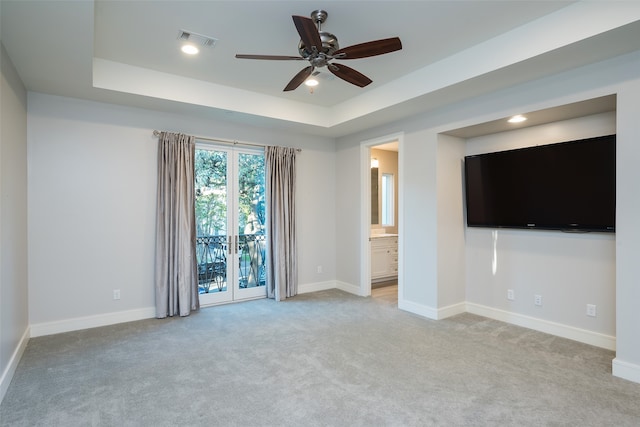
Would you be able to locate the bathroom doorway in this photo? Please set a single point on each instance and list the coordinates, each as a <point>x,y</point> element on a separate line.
<point>381,225</point>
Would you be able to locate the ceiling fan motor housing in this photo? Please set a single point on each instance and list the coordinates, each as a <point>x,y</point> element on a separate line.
<point>329,45</point>
<point>329,42</point>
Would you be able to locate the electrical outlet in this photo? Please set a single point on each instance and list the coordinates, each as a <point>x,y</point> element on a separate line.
<point>537,299</point>
<point>511,295</point>
<point>591,310</point>
<point>116,294</point>
<point>319,269</point>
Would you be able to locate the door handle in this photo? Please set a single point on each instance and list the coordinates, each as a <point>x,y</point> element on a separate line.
<point>237,244</point>
<point>229,244</point>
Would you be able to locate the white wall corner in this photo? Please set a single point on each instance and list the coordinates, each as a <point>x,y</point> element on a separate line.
<point>552,328</point>
<point>306,288</point>
<point>419,309</point>
<point>452,310</point>
<point>349,287</point>
<point>79,323</point>
<point>7,375</point>
<point>431,312</point>
<point>625,370</point>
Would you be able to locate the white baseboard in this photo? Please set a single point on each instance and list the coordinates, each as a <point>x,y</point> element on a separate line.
<point>68,325</point>
<point>419,309</point>
<point>7,374</point>
<point>557,329</point>
<point>349,287</point>
<point>331,284</point>
<point>452,310</point>
<point>315,287</point>
<point>431,312</point>
<point>626,370</point>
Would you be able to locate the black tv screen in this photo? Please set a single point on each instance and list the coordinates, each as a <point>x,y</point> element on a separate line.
<point>569,186</point>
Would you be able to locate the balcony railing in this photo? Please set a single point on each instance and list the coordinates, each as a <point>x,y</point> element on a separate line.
<point>212,253</point>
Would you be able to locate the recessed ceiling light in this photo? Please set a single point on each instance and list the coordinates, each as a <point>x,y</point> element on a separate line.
<point>192,42</point>
<point>517,119</point>
<point>311,82</point>
<point>189,49</point>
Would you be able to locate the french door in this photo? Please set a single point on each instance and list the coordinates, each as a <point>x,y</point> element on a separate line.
<point>230,224</point>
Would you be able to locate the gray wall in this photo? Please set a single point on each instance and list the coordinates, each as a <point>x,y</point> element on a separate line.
<point>13,220</point>
<point>628,235</point>
<point>431,242</point>
<point>92,195</point>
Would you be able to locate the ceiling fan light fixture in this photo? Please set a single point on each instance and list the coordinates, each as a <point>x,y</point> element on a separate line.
<point>311,82</point>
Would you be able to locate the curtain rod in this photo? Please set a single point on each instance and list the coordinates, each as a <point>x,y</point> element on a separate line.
<point>225,141</point>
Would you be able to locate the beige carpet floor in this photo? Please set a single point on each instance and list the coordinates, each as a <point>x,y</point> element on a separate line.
<point>321,359</point>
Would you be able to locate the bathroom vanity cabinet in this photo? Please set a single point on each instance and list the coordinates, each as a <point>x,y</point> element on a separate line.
<point>384,257</point>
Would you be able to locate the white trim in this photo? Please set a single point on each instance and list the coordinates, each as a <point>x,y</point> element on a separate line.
<point>330,284</point>
<point>365,220</point>
<point>7,375</point>
<point>431,312</point>
<point>553,328</point>
<point>78,323</point>
<point>400,217</point>
<point>351,288</point>
<point>608,342</point>
<point>419,309</point>
<point>626,370</point>
<point>452,310</point>
<point>315,287</point>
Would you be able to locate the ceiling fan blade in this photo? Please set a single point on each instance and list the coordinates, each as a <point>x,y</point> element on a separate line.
<point>299,78</point>
<point>349,75</point>
<point>308,32</point>
<point>372,48</point>
<point>273,57</point>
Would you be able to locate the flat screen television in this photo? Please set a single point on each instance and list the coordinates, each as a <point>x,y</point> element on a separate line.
<point>568,186</point>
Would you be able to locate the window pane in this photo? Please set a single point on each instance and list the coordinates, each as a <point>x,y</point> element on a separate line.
<point>251,220</point>
<point>387,199</point>
<point>211,220</point>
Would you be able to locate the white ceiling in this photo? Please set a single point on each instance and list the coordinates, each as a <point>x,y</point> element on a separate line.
<point>127,52</point>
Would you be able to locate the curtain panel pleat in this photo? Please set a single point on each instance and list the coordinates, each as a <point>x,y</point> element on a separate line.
<point>282,271</point>
<point>176,280</point>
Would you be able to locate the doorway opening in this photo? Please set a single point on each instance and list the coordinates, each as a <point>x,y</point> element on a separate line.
<point>381,207</point>
<point>230,224</point>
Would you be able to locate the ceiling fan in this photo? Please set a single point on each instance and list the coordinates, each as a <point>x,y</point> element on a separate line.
<point>320,47</point>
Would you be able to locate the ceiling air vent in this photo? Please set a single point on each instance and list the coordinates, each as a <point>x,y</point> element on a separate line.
<point>197,39</point>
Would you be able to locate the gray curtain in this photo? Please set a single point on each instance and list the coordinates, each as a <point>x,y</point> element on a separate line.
<point>176,280</point>
<point>282,271</point>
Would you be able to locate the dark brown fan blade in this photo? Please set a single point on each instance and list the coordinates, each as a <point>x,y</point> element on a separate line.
<point>299,78</point>
<point>274,57</point>
<point>308,32</point>
<point>373,48</point>
<point>349,74</point>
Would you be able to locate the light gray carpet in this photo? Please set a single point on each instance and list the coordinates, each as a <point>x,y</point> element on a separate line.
<point>321,359</point>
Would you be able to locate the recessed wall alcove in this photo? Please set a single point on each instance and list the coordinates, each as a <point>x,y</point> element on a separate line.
<point>569,271</point>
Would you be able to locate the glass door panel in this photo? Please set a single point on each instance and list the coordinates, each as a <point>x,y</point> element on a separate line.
<point>251,225</point>
<point>212,244</point>
<point>230,197</point>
